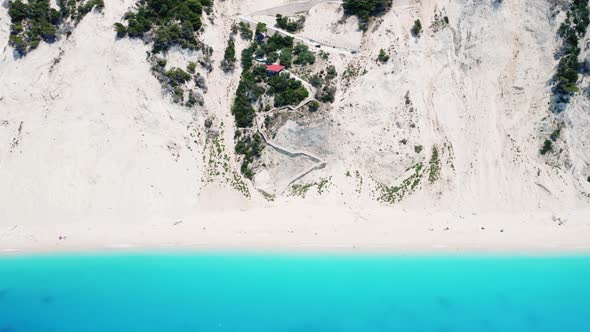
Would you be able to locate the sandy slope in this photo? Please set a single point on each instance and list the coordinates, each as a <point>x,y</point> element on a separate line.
<point>91,148</point>
<point>97,140</point>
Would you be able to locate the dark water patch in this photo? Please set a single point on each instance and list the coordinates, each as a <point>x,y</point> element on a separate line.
<point>48,299</point>
<point>444,302</point>
<point>532,320</point>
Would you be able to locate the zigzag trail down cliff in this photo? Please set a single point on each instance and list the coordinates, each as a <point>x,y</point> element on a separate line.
<point>92,149</point>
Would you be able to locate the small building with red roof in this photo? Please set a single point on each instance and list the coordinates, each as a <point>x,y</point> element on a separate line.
<point>274,69</point>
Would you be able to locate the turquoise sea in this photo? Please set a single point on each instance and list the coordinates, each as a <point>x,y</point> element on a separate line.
<point>259,292</point>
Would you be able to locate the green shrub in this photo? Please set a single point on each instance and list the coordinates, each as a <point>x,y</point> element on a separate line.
<point>247,55</point>
<point>416,29</point>
<point>284,23</point>
<point>251,148</point>
<point>173,22</point>
<point>286,57</point>
<point>245,31</point>
<point>242,110</point>
<point>435,168</point>
<point>120,29</point>
<point>272,57</point>
<point>229,57</point>
<point>304,55</point>
<point>191,67</point>
<point>286,91</point>
<point>555,134</point>
<point>316,80</point>
<point>383,56</point>
<point>547,147</point>
<point>35,21</point>
<point>313,106</point>
<point>571,30</point>
<point>260,28</point>
<point>327,94</point>
<point>366,9</point>
<point>277,42</point>
<point>177,76</point>
<point>331,73</point>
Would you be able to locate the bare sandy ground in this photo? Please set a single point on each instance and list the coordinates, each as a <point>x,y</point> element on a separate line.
<point>303,226</point>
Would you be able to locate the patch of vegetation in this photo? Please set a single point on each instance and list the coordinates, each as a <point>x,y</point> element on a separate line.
<point>301,190</point>
<point>571,30</point>
<point>383,56</point>
<point>242,109</point>
<point>316,80</point>
<point>275,43</point>
<point>395,194</point>
<point>288,25</point>
<point>250,147</point>
<point>547,147</point>
<point>245,32</point>
<point>327,94</point>
<point>218,165</point>
<point>260,28</point>
<point>440,21</point>
<point>191,67</point>
<point>303,55</point>
<point>177,76</point>
<point>176,82</point>
<point>352,71</point>
<point>168,22</point>
<point>366,9</point>
<point>120,29</point>
<point>76,9</point>
<point>555,134</point>
<point>34,21</point>
<point>286,91</point>
<point>323,82</point>
<point>228,64</point>
<point>416,29</point>
<point>331,73</point>
<point>435,168</point>
<point>313,106</point>
<point>286,57</point>
<point>418,148</point>
<point>548,144</point>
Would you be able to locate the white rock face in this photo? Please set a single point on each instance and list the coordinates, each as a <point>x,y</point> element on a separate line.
<point>87,133</point>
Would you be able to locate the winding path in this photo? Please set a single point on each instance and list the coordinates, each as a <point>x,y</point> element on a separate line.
<point>291,9</point>
<point>319,163</point>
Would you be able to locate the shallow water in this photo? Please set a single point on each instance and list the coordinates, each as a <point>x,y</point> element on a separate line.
<point>223,292</point>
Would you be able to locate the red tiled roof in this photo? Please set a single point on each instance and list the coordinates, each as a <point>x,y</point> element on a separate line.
<point>275,68</point>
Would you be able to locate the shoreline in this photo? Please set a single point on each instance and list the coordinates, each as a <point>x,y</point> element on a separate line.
<point>303,251</point>
<point>308,228</point>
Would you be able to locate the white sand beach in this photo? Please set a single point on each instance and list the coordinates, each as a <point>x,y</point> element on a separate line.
<point>311,227</point>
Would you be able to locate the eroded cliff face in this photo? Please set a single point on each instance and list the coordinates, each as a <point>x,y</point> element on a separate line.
<point>474,93</point>
<point>454,120</point>
<point>480,91</point>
